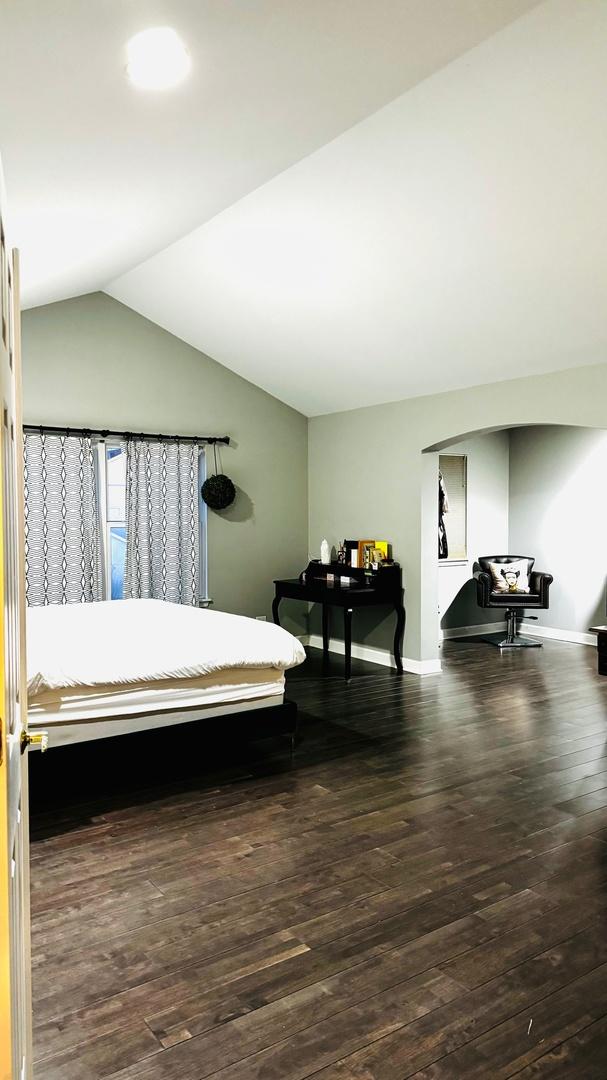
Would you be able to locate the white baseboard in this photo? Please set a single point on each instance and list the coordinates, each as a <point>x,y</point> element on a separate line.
<point>530,628</point>
<point>374,656</point>
<point>473,631</point>
<point>575,636</point>
<point>433,667</point>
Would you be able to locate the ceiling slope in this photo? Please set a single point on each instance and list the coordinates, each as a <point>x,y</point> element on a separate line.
<point>101,176</point>
<point>457,236</point>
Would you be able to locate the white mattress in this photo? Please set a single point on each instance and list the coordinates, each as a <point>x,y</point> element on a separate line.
<point>122,659</point>
<point>110,702</point>
<point>124,642</point>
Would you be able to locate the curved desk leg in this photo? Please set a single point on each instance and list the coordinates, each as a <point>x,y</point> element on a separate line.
<point>348,643</point>
<point>275,603</point>
<point>398,636</point>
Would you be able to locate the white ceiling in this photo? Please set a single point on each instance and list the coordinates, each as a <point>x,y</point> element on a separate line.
<point>457,236</point>
<point>373,205</point>
<point>101,176</point>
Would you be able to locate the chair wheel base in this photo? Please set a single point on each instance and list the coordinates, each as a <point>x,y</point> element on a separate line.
<point>519,642</point>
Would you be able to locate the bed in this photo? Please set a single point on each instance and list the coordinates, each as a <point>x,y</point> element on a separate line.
<point>108,668</point>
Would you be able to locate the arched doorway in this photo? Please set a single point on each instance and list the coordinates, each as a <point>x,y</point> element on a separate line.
<point>551,507</point>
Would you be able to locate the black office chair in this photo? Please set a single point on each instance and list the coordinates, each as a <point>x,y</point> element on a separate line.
<point>512,603</point>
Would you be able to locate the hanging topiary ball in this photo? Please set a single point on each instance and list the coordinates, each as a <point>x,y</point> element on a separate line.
<point>218,492</point>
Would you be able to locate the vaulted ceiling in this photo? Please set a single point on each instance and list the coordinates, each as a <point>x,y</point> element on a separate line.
<point>346,203</point>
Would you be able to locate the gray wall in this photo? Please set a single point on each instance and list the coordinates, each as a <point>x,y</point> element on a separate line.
<point>487,533</point>
<point>369,475</point>
<point>92,361</point>
<point>371,471</point>
<point>558,513</point>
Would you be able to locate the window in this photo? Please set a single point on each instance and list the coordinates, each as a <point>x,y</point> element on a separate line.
<point>454,472</point>
<point>114,475</point>
<point>112,484</point>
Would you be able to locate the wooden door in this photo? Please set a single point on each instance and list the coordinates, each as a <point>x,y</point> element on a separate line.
<point>15,1006</point>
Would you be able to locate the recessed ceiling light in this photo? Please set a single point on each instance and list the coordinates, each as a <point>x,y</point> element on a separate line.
<point>157,59</point>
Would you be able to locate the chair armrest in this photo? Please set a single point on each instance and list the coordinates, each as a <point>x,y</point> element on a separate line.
<point>484,586</point>
<point>540,583</point>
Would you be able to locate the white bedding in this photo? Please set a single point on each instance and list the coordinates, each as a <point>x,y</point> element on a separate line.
<point>121,642</point>
<point>88,703</point>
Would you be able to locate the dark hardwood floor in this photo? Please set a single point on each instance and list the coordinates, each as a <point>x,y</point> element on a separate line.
<point>423,893</point>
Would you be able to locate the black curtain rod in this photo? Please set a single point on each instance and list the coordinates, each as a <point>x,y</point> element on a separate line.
<point>105,433</point>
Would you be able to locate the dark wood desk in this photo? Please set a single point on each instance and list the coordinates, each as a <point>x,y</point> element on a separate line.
<point>369,589</point>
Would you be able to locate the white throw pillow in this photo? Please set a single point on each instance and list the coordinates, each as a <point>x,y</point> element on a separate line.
<point>510,577</point>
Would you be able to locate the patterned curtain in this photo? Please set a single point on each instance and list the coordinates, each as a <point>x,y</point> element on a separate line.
<point>63,555</point>
<point>162,522</point>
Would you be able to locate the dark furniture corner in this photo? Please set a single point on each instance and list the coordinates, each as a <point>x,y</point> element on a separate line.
<point>368,588</point>
<point>601,647</point>
<point>513,604</point>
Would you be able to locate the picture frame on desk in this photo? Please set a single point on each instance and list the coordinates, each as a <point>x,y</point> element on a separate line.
<point>365,551</point>
<point>351,547</point>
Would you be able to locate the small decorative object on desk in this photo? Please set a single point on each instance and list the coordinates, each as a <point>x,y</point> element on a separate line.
<point>325,553</point>
<point>341,553</point>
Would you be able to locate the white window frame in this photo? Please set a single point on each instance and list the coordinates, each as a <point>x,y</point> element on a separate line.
<point>106,523</point>
<point>101,503</point>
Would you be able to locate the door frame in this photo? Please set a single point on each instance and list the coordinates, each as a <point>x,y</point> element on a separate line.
<point>15,955</point>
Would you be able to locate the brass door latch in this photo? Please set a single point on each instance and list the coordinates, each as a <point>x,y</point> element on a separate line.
<point>37,740</point>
